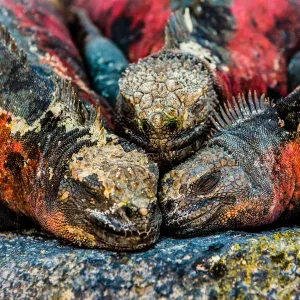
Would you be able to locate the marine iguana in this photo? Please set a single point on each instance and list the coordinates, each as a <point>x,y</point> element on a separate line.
<point>247,175</point>
<point>58,164</point>
<point>212,52</point>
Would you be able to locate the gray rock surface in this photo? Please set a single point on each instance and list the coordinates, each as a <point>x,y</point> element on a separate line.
<point>237,265</point>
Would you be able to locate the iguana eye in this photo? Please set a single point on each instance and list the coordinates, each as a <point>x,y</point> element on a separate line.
<point>172,126</point>
<point>206,183</point>
<point>145,126</point>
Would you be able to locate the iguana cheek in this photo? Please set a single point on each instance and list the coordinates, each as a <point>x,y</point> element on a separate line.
<point>246,213</point>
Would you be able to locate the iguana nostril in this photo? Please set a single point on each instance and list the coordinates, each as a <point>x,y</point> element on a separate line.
<point>146,126</point>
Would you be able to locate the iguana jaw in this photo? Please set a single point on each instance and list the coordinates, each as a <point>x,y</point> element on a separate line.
<point>125,237</point>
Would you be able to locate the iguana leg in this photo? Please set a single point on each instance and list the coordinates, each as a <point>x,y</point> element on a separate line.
<point>104,61</point>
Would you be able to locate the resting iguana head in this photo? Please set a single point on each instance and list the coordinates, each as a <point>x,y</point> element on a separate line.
<point>109,195</point>
<point>165,100</point>
<point>238,180</point>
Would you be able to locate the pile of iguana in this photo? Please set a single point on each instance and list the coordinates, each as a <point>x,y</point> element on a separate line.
<point>58,165</point>
<point>214,51</point>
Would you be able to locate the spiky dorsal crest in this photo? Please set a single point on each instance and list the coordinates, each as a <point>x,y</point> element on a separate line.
<point>239,111</point>
<point>10,44</point>
<point>178,29</point>
<point>67,95</point>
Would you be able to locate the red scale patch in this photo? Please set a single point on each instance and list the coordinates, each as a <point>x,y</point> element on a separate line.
<point>258,49</point>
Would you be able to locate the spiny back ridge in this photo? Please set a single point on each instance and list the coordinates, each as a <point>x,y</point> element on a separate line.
<point>177,30</point>
<point>9,43</point>
<point>65,93</point>
<point>239,111</point>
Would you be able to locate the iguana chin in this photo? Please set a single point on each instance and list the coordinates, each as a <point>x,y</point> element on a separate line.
<point>58,165</point>
<point>248,174</point>
<point>212,52</point>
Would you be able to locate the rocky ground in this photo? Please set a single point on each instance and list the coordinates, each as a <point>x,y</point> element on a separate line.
<point>237,265</point>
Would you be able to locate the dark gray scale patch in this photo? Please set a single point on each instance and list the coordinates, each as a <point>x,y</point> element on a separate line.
<point>23,92</point>
<point>10,220</point>
<point>214,26</point>
<point>93,180</point>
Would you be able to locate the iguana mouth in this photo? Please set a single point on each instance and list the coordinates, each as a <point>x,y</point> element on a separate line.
<point>181,141</point>
<point>118,227</point>
<point>201,213</point>
<point>129,243</point>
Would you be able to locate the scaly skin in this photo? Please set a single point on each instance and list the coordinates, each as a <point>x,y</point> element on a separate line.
<point>248,174</point>
<point>56,52</point>
<point>166,99</point>
<point>58,165</point>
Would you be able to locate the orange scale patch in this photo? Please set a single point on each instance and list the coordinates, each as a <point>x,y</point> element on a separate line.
<point>15,181</point>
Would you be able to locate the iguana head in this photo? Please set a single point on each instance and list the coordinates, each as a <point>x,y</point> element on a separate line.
<point>232,182</point>
<point>165,99</point>
<point>109,197</point>
<point>165,102</point>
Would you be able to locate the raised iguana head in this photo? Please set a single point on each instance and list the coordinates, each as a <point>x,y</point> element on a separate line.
<point>59,166</point>
<point>242,178</point>
<point>165,100</point>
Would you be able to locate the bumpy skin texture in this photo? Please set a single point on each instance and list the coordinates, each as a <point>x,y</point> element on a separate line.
<point>248,175</point>
<point>229,42</point>
<point>58,165</point>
